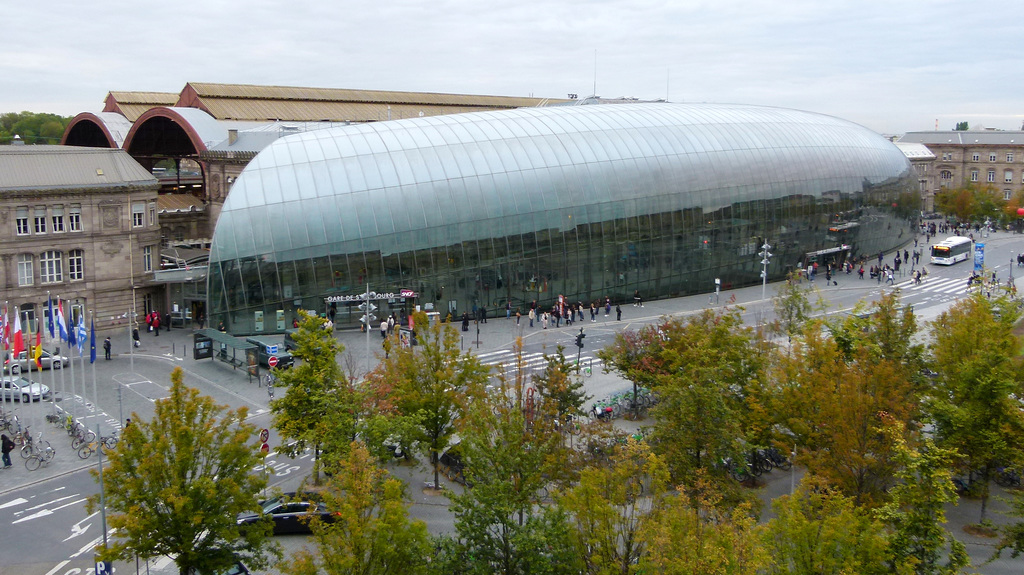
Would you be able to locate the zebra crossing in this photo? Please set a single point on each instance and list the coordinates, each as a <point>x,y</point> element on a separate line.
<point>505,360</point>
<point>946,286</point>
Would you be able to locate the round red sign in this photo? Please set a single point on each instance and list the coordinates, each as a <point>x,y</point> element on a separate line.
<point>265,448</point>
<point>272,361</point>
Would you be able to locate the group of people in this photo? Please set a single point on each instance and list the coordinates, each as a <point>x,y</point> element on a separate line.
<point>560,312</point>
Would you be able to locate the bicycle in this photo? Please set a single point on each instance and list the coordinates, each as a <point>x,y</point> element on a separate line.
<point>80,434</point>
<point>40,458</point>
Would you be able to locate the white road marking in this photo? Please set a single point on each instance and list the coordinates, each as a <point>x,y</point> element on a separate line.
<point>13,502</point>
<point>46,512</point>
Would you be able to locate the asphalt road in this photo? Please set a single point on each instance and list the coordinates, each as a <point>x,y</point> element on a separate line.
<point>46,530</point>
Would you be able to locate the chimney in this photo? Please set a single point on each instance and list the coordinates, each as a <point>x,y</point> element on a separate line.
<point>232,136</point>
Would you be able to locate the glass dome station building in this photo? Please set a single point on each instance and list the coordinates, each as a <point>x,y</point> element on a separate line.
<point>460,211</point>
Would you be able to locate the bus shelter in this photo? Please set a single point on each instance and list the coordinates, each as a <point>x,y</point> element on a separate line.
<point>213,344</point>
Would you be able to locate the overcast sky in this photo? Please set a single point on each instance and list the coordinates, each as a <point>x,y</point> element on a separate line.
<point>893,66</point>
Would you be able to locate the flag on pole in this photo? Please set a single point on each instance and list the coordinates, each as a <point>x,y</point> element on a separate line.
<point>39,349</point>
<point>72,337</point>
<point>62,326</point>
<point>82,334</point>
<point>49,320</point>
<point>92,341</point>
<point>5,331</point>
<point>18,343</point>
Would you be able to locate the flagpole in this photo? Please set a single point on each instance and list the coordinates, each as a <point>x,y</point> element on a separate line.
<point>57,355</point>
<point>71,358</point>
<point>92,345</point>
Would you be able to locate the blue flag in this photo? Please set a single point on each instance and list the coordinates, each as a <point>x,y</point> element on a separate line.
<point>92,341</point>
<point>71,336</point>
<point>49,320</point>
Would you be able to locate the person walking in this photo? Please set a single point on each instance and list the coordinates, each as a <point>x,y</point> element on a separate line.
<point>156,324</point>
<point>106,348</point>
<point>618,312</point>
<point>532,316</point>
<point>135,337</point>
<point>384,329</point>
<point>6,446</point>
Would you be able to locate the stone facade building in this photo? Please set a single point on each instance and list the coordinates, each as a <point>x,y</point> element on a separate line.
<point>80,224</point>
<point>980,157</point>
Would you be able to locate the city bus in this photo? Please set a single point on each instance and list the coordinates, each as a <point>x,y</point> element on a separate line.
<point>951,250</point>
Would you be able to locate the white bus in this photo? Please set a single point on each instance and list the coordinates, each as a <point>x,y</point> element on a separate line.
<point>951,250</point>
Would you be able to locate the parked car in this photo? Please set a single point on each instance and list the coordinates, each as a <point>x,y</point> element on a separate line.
<point>20,389</point>
<point>290,513</point>
<point>24,363</point>
<point>267,349</point>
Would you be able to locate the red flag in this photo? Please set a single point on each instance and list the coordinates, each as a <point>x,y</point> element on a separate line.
<point>18,343</point>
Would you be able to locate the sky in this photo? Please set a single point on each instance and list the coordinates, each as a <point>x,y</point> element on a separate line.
<point>893,66</point>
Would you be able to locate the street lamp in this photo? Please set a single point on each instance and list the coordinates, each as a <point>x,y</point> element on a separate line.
<point>765,259</point>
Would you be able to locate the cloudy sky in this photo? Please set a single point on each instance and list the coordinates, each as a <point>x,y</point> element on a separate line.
<point>893,66</point>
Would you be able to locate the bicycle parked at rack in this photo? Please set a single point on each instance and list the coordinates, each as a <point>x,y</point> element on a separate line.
<point>32,447</point>
<point>40,458</point>
<point>105,442</point>
<point>80,434</point>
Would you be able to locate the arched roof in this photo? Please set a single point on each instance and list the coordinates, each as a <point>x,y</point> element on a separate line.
<point>174,132</point>
<point>101,130</point>
<point>367,187</point>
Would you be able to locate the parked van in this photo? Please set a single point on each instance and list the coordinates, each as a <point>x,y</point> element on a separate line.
<point>265,349</point>
<point>289,343</point>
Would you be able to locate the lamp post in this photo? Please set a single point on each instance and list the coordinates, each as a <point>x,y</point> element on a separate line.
<point>765,259</point>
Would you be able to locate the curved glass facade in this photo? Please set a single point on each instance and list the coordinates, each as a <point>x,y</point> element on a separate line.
<point>525,205</point>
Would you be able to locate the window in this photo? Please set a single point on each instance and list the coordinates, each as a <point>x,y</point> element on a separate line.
<point>152,213</point>
<point>147,259</point>
<point>974,175</point>
<point>991,175</point>
<point>57,216</point>
<point>40,220</point>
<point>1008,176</point>
<point>76,265</point>
<point>975,157</point>
<point>22,220</point>
<point>1009,157</point>
<point>50,267</point>
<point>992,157</point>
<point>75,218</point>
<point>138,214</point>
<point>946,175</point>
<point>25,269</point>
<point>1006,195</point>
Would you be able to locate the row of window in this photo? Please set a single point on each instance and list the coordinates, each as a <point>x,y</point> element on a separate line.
<point>52,266</point>
<point>1007,176</point>
<point>54,219</point>
<point>976,157</point>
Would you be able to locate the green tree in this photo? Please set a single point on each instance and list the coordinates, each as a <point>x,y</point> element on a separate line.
<point>175,485</point>
<point>32,128</point>
<point>975,404</point>
<point>371,532</point>
<point>433,383</point>
<point>819,531</point>
<point>793,306</point>
<point>961,127</point>
<point>562,393</point>
<point>319,407</point>
<point>610,507</point>
<point>916,514</point>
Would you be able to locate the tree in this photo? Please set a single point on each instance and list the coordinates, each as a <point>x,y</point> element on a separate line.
<point>819,531</point>
<point>693,536</point>
<point>961,127</point>
<point>793,306</point>
<point>176,484</point>
<point>319,408</point>
<point>371,532</point>
<point>562,394</point>
<point>916,513</point>
<point>433,385</point>
<point>975,404</point>
<point>610,506</point>
<point>32,128</point>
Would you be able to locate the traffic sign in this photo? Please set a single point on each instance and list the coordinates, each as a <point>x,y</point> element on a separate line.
<point>264,435</point>
<point>104,568</point>
<point>362,307</point>
<point>272,361</point>
<point>265,448</point>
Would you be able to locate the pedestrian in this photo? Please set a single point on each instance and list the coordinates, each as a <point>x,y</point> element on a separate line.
<point>519,314</point>
<point>618,312</point>
<point>127,422</point>
<point>201,319</point>
<point>607,306</point>
<point>533,315</point>
<point>106,348</point>
<point>508,309</point>
<point>860,272</point>
<point>544,320</point>
<point>391,324</point>
<point>135,337</point>
<point>156,324</point>
<point>6,446</point>
<point>384,329</point>
<point>386,344</point>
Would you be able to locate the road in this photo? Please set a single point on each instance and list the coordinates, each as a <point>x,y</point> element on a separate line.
<point>43,512</point>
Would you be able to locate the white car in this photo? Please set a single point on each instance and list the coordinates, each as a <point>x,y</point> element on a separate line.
<point>23,390</point>
<point>47,359</point>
